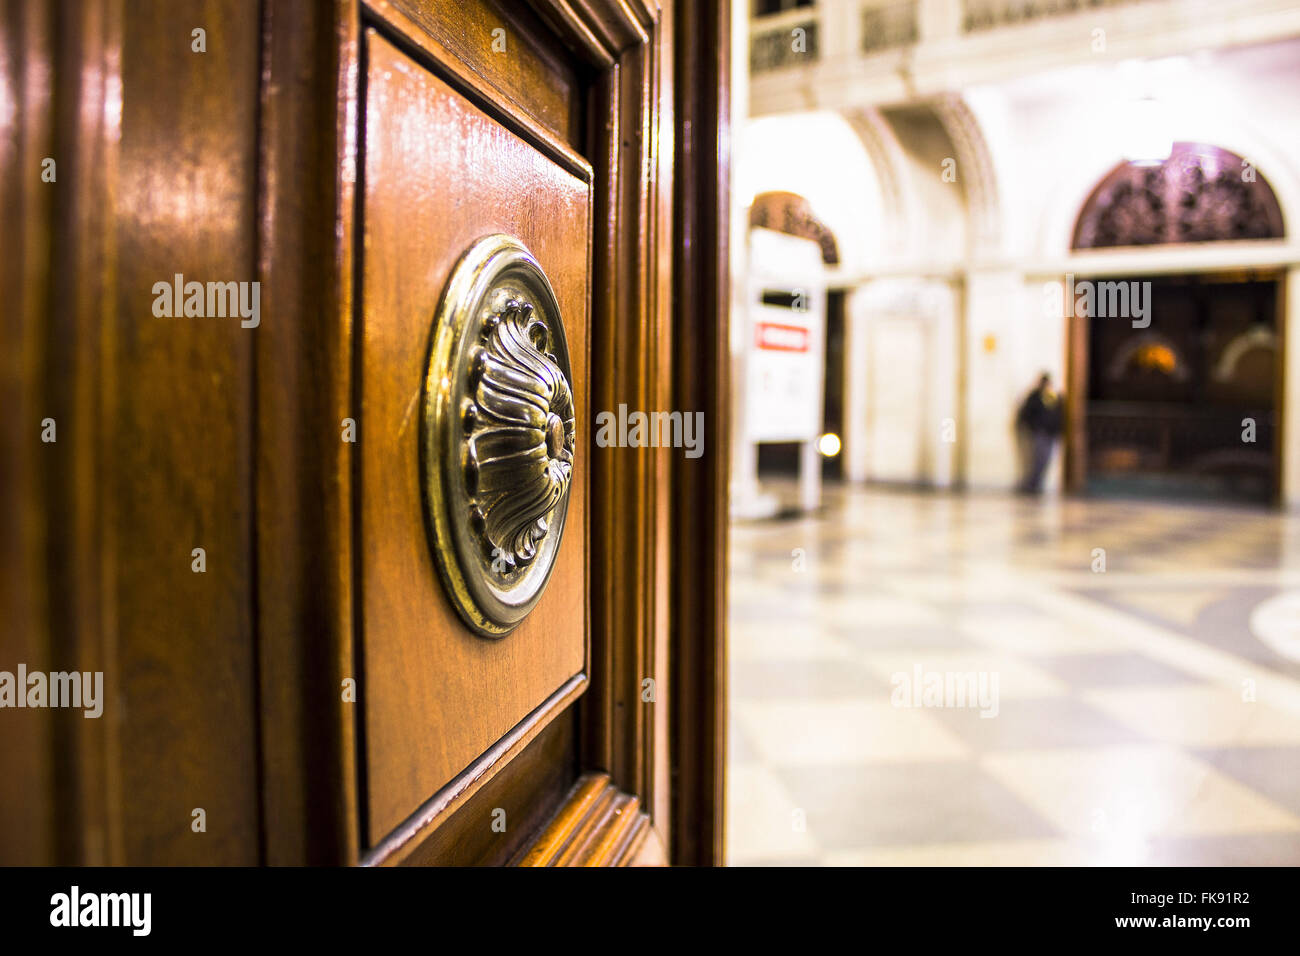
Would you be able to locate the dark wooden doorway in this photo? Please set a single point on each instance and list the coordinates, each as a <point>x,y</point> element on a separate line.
<point>1188,406</point>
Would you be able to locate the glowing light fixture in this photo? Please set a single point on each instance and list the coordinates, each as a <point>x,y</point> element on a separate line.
<point>1156,358</point>
<point>829,444</point>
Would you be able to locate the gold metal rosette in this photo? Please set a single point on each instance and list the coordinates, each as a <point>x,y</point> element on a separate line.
<point>497,434</point>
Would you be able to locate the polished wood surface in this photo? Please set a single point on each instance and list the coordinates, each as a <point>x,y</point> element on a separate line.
<point>154,416</point>
<point>303,392</point>
<point>509,46</point>
<point>175,413</point>
<point>343,155</point>
<point>701,380</point>
<point>598,825</point>
<point>439,175</point>
<point>631,106</point>
<point>27,756</point>
<point>491,827</point>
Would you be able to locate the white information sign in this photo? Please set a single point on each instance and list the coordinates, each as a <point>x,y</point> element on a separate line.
<point>785,343</point>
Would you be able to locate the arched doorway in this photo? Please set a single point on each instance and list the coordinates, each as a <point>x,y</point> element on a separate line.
<point>1175,376</point>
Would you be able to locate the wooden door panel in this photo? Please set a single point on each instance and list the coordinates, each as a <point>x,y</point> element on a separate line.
<point>439,174</point>
<point>506,43</point>
<point>378,140</point>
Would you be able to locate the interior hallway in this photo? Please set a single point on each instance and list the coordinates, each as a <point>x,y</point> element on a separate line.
<point>1147,713</point>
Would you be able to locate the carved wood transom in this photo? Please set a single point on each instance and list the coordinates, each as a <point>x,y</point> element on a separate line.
<point>1199,194</point>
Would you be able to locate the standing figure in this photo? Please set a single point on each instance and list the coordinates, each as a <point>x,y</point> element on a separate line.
<point>1039,420</point>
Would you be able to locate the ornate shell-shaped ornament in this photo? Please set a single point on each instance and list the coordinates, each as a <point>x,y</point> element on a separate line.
<point>498,434</point>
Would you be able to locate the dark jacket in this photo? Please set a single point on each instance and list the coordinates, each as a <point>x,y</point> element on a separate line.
<point>1041,412</point>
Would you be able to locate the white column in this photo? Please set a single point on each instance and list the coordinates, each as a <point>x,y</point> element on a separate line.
<point>1002,355</point>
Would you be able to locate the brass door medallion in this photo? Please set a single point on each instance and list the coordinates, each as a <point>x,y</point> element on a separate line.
<point>497,435</point>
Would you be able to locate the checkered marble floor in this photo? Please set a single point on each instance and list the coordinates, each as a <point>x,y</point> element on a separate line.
<point>1143,659</point>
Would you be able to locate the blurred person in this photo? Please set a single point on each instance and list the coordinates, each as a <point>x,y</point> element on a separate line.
<point>1039,423</point>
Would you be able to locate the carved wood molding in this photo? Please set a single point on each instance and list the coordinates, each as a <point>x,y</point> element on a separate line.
<point>625,42</point>
<point>630,238</point>
<point>792,214</point>
<point>598,825</point>
<point>406,841</point>
<point>1199,194</point>
<point>701,372</point>
<point>602,29</point>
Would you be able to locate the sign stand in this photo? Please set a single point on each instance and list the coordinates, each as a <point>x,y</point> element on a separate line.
<point>779,367</point>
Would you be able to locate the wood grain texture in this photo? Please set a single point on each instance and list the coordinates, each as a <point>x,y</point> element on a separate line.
<point>701,381</point>
<point>602,30</point>
<point>440,174</point>
<point>155,146</point>
<point>89,768</point>
<point>27,772</point>
<point>521,62</point>
<point>176,415</point>
<point>423,827</point>
<point>491,826</point>
<point>246,163</point>
<point>627,546</point>
<point>303,393</point>
<point>598,825</point>
<point>660,318</point>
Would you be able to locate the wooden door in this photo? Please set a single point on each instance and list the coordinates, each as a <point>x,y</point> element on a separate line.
<point>335,689</point>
